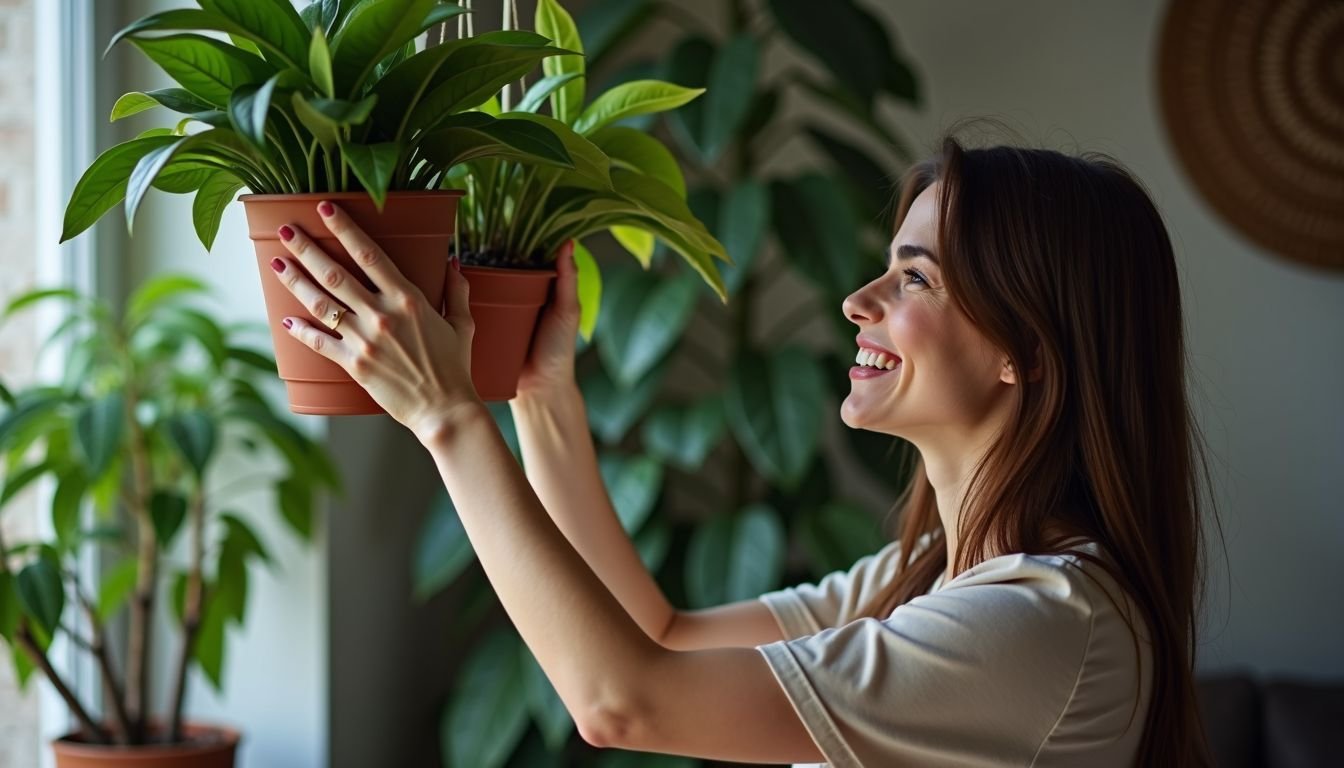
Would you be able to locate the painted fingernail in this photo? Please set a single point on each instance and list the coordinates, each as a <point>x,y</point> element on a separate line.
<point>457,263</point>
<point>287,323</point>
<point>325,208</point>
<point>286,233</point>
<point>278,265</point>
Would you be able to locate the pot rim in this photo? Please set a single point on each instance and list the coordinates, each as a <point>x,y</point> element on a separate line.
<point>401,195</point>
<point>231,738</point>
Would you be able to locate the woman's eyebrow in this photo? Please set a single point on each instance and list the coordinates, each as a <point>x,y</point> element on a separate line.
<point>910,252</point>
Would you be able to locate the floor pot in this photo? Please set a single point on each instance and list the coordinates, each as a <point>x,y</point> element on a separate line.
<point>206,746</point>
<point>415,230</point>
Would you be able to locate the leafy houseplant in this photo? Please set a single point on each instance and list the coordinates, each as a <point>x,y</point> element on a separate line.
<point>725,490</point>
<point>333,102</point>
<point>148,402</point>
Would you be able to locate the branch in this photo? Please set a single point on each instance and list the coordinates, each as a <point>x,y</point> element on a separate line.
<point>99,650</point>
<point>25,639</point>
<point>191,614</point>
<point>137,667</point>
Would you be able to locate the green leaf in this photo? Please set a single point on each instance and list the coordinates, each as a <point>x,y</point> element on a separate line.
<point>116,586</point>
<point>41,593</point>
<point>176,19</point>
<point>158,290</point>
<point>477,136</point>
<point>653,542</point>
<point>689,65</point>
<point>541,90</point>
<point>183,177</point>
<point>167,510</point>
<point>373,165</point>
<point>639,97</point>
<point>612,410</point>
<point>247,111</point>
<point>319,63</point>
<point>132,104</point>
<point>487,713</point>
<point>774,405</point>
<point>98,430</point>
<point>193,434</point>
<point>207,208</point>
<point>209,648</point>
<point>840,35</point>
<point>633,484</point>
<point>555,23</point>
<point>15,482</point>
<point>638,151</point>
<point>732,79</point>
<point>10,607</point>
<point>273,24</point>
<point>646,314</point>
<point>837,535</point>
<point>71,486</point>
<point>442,549</point>
<point>103,185</point>
<point>182,322</point>
<point>638,242</point>
<point>869,186</point>
<point>371,31</point>
<point>294,496</point>
<point>253,359</point>
<point>28,299</point>
<point>210,69</point>
<point>817,230</point>
<point>240,536</point>
<point>548,709</point>
<point>685,434</point>
<point>605,23</point>
<point>615,758</point>
<point>744,219</point>
<point>735,557</point>
<point>589,289</point>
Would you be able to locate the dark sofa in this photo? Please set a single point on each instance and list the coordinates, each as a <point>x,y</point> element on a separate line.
<point>1272,723</point>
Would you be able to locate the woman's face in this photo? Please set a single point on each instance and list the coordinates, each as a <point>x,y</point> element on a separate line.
<point>947,379</point>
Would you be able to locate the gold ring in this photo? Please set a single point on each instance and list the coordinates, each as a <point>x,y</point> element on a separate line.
<point>336,315</point>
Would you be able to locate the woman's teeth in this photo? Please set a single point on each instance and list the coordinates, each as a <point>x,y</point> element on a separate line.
<point>875,359</point>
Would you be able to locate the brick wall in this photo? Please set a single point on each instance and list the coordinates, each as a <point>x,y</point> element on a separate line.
<point>18,712</point>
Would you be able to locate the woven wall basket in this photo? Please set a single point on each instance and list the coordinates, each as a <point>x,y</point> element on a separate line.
<point>1253,98</point>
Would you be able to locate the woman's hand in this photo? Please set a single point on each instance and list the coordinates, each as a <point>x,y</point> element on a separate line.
<point>413,362</point>
<point>550,362</point>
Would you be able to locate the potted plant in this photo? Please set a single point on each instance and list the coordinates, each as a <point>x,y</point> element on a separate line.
<point>148,402</point>
<point>623,181</point>
<point>332,103</point>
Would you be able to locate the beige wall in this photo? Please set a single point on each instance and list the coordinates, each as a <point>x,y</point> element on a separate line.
<point>18,712</point>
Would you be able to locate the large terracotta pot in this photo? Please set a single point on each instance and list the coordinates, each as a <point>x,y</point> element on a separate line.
<point>206,746</point>
<point>415,230</point>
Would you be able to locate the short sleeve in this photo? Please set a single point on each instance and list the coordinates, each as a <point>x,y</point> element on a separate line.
<point>973,674</point>
<point>809,608</point>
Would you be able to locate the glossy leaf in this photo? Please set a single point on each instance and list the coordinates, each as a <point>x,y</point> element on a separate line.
<point>157,291</point>
<point>639,97</point>
<point>207,208</point>
<point>646,314</point>
<point>868,185</point>
<point>817,230</point>
<point>638,242</point>
<point>775,405</point>
<point>487,713</point>
<point>274,24</point>
<point>210,69</point>
<point>735,557</point>
<point>14,481</point>
<point>613,410</point>
<point>98,431</point>
<point>837,535</point>
<point>247,111</point>
<point>684,434</point>
<point>541,90</point>
<point>548,709</point>
<point>10,607</point>
<point>633,484</point>
<point>71,486</point>
<point>476,136</point>
<point>839,34</point>
<point>554,22</point>
<point>689,65</point>
<point>743,221</point>
<point>471,77</point>
<point>638,151</point>
<point>167,510</point>
<point>374,165</point>
<point>732,78</point>
<point>41,593</point>
<point>443,550</point>
<point>103,185</point>
<point>319,63</point>
<point>370,32</point>
<point>294,497</point>
<point>193,434</point>
<point>589,290</point>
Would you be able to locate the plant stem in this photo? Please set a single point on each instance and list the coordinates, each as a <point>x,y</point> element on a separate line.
<point>191,614</point>
<point>142,606</point>
<point>28,644</point>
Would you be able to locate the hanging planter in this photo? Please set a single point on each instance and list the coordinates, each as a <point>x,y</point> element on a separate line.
<point>332,103</point>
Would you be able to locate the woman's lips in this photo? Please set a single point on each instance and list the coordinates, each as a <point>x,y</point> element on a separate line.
<point>869,372</point>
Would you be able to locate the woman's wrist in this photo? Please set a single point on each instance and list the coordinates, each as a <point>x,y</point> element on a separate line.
<point>557,396</point>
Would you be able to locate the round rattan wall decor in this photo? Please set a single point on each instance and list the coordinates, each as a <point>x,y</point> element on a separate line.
<point>1252,94</point>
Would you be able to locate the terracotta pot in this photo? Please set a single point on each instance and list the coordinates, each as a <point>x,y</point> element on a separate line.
<point>207,746</point>
<point>415,230</point>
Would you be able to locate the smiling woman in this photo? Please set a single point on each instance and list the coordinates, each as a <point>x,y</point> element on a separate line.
<point>1038,607</point>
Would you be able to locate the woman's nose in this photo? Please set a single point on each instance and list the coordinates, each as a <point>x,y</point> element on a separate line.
<point>858,309</point>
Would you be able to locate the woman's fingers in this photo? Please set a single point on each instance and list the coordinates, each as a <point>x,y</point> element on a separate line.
<point>363,250</point>
<point>320,305</point>
<point>567,283</point>
<point>313,338</point>
<point>332,277</point>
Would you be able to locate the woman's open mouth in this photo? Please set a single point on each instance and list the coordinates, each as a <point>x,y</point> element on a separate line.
<point>871,364</point>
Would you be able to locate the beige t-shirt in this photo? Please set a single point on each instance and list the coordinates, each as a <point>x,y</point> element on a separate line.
<point>1021,660</point>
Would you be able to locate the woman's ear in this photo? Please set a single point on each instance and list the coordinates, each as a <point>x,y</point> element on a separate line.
<point>1008,375</point>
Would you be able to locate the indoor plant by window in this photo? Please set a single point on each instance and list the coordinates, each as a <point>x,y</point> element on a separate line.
<point>330,103</point>
<point>148,402</point>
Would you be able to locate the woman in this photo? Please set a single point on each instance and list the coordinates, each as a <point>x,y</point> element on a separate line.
<point>1026,337</point>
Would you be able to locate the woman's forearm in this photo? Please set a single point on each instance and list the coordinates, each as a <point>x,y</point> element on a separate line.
<point>561,465</point>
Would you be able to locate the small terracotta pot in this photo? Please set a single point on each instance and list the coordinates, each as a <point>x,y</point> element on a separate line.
<point>504,305</point>
<point>207,746</point>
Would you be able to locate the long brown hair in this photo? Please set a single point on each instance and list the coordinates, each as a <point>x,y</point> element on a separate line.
<point>1064,264</point>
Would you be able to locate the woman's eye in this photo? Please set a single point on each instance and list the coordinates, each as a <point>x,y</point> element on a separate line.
<point>915,277</point>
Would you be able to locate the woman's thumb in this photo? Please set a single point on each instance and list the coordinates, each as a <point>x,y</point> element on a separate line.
<point>566,281</point>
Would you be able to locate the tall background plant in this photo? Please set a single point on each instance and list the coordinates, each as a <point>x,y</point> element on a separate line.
<point>768,510</point>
